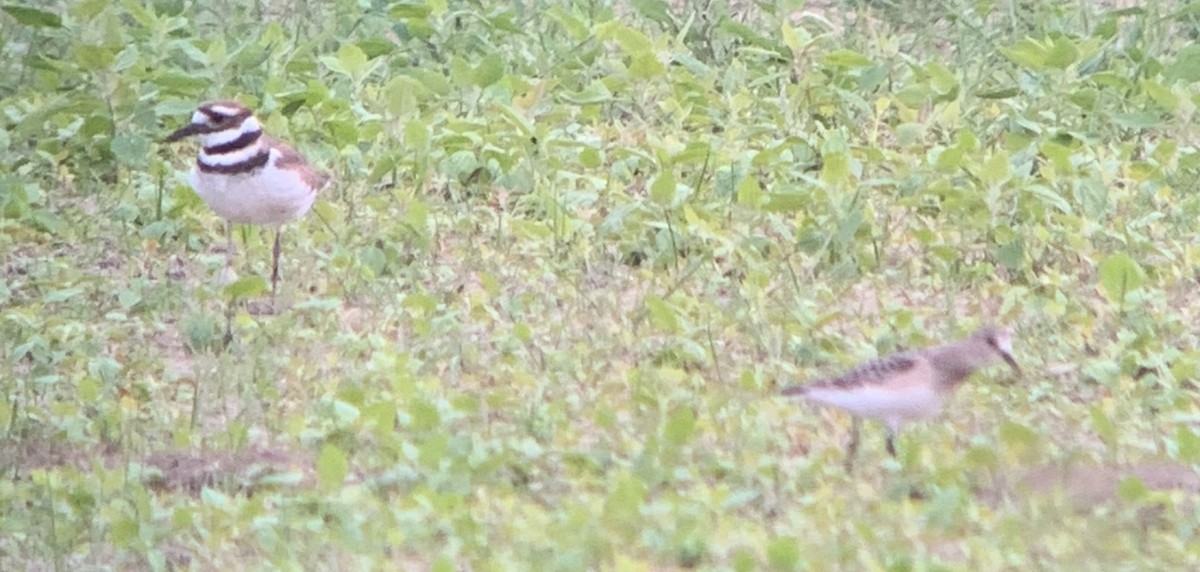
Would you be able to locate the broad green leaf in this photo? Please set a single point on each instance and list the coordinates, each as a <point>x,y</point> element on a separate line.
<point>795,39</point>
<point>846,59</point>
<point>1162,95</point>
<point>662,190</point>
<point>1136,120</point>
<point>836,168</point>
<point>1012,255</point>
<point>662,315</point>
<point>1186,67</point>
<point>783,553</point>
<point>1027,53</point>
<point>131,149</point>
<point>489,70</point>
<point>631,41</point>
<point>996,169</point>
<point>217,54</point>
<point>574,26</point>
<point>246,287</point>
<point>332,466</point>
<point>655,10</point>
<point>1017,436</point>
<point>646,65</point>
<point>622,508</point>
<point>1132,490</point>
<point>787,202</point>
<point>416,135</point>
<point>1119,275</point>
<point>1062,53</point>
<point>351,59</point>
<point>1051,198</point>
<point>406,10</point>
<point>749,193</point>
<point>33,17</point>
<point>999,93</point>
<point>1103,425</point>
<point>680,426</point>
<point>1187,444</point>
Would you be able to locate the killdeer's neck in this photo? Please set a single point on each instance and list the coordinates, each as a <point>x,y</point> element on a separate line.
<point>237,149</point>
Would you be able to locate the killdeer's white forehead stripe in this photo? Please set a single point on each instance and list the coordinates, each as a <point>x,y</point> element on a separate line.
<point>225,110</point>
<point>199,118</point>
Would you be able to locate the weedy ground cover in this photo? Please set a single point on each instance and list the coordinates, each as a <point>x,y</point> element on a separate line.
<point>573,251</point>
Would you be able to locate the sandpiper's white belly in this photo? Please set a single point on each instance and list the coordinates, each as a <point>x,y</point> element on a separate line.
<point>267,196</point>
<point>884,403</point>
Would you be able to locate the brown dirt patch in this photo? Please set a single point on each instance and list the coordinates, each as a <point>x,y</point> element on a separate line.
<point>184,470</point>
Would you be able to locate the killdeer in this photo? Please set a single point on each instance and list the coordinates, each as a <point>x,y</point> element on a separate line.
<point>908,386</point>
<point>246,176</point>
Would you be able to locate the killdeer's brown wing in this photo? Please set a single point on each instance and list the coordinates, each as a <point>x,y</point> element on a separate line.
<point>870,373</point>
<point>291,159</point>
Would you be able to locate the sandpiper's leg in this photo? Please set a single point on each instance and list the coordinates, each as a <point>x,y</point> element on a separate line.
<point>852,446</point>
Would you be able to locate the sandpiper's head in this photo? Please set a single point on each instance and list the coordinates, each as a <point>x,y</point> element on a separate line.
<point>999,340</point>
<point>218,117</point>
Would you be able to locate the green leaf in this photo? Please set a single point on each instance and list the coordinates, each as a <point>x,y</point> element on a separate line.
<point>662,190</point>
<point>245,288</point>
<point>1136,120</point>
<point>1132,490</point>
<point>1012,255</point>
<point>996,169</point>
<point>846,59</point>
<point>655,10</point>
<point>749,193</point>
<point>405,10</point>
<point>33,17</point>
<point>999,93</point>
<point>662,315</point>
<point>416,135</point>
<point>680,426</point>
<point>631,41</point>
<point>1187,444</point>
<point>1027,53</point>
<point>332,466</point>
<point>1119,275</point>
<point>1062,53</point>
<point>787,202</point>
<point>795,39</point>
<point>1104,426</point>
<point>489,70</point>
<point>351,59</point>
<point>783,553</point>
<point>1186,67</point>
<point>1017,436</point>
<point>622,508</point>
<point>1162,95</point>
<point>132,150</point>
<point>217,54</point>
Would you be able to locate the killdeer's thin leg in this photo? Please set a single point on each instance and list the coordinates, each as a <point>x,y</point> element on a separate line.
<point>228,246</point>
<point>891,442</point>
<point>275,268</point>
<point>852,446</point>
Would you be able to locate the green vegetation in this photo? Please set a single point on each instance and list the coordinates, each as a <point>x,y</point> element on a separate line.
<point>573,252</point>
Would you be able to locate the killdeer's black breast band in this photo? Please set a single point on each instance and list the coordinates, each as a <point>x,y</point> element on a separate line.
<point>256,162</point>
<point>244,140</point>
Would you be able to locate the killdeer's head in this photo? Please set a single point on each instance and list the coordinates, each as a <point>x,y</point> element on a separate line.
<point>231,138</point>
<point>999,341</point>
<point>219,122</point>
